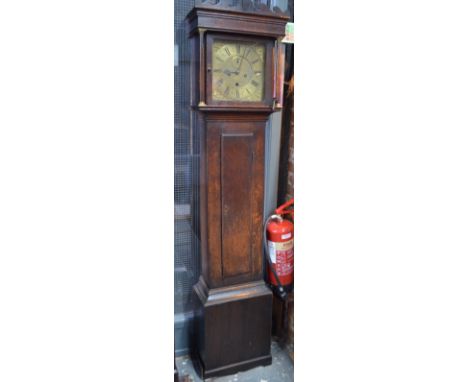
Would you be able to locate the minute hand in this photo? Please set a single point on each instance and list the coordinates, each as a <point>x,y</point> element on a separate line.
<point>243,56</point>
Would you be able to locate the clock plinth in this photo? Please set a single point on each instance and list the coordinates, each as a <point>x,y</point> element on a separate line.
<point>235,66</point>
<point>232,328</point>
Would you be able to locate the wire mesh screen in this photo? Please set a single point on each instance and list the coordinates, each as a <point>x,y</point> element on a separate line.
<point>186,244</point>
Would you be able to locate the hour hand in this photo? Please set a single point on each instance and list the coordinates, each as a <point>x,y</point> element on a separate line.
<point>229,72</point>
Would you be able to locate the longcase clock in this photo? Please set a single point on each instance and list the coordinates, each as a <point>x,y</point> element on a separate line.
<point>236,84</point>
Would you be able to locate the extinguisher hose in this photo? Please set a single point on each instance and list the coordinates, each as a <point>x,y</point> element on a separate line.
<point>282,293</point>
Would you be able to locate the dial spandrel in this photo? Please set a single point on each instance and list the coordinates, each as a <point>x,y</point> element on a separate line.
<point>238,70</point>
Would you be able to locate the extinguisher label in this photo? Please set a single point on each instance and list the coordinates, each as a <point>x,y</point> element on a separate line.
<point>284,246</point>
<point>281,254</point>
<point>286,236</point>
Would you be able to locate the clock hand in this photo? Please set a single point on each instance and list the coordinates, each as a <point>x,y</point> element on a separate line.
<point>229,72</point>
<point>243,55</point>
<point>240,63</point>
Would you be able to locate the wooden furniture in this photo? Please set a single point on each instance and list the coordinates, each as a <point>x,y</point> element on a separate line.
<point>236,84</point>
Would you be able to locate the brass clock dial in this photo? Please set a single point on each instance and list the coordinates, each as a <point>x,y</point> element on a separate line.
<point>238,71</point>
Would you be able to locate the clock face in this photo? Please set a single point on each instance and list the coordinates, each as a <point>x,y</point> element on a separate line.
<point>238,71</point>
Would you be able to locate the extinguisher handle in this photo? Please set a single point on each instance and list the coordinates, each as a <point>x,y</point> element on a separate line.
<point>280,209</point>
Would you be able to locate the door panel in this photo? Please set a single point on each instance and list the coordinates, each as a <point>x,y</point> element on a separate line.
<point>235,182</point>
<point>237,179</point>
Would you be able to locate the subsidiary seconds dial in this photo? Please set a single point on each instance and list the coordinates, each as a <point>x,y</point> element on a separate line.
<point>238,71</point>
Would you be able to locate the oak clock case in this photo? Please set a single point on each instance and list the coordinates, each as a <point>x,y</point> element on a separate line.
<point>234,89</point>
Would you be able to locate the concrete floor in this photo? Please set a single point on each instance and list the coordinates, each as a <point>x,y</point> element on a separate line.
<point>281,370</point>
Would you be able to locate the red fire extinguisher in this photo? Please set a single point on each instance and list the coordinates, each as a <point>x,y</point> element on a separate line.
<point>279,249</point>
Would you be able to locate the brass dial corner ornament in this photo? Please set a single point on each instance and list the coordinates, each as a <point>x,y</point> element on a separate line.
<point>238,71</point>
